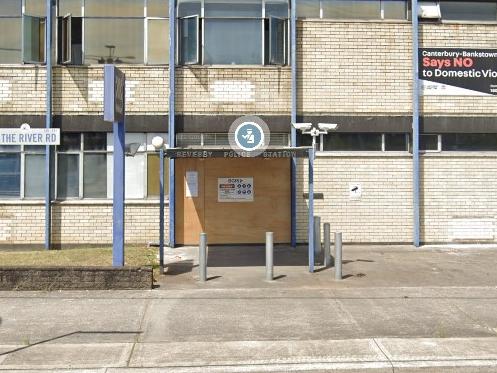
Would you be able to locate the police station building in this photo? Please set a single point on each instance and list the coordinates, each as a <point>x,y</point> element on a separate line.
<point>412,160</point>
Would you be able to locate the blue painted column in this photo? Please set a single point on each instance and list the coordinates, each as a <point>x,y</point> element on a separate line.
<point>118,196</point>
<point>48,124</point>
<point>311,211</point>
<point>415,125</point>
<point>172,113</point>
<point>293,131</point>
<point>161,213</point>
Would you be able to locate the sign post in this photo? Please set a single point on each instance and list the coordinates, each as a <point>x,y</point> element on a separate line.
<point>114,111</point>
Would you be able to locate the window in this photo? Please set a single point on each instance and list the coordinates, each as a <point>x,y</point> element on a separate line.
<point>22,163</point>
<point>10,31</point>
<point>469,10</point>
<point>429,143</point>
<point>233,32</point>
<point>352,9</point>
<point>10,172</point>
<point>469,142</point>
<point>33,46</point>
<point>395,142</point>
<point>352,142</point>
<point>153,174</point>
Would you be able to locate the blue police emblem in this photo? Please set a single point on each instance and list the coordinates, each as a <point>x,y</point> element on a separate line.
<point>249,136</point>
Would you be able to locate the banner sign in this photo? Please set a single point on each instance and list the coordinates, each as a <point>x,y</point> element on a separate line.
<point>114,94</point>
<point>237,189</point>
<point>299,152</point>
<point>32,136</point>
<point>458,72</point>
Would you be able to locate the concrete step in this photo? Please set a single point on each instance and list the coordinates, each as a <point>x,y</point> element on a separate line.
<point>406,355</point>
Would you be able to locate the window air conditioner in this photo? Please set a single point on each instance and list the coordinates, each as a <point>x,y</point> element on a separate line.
<point>429,10</point>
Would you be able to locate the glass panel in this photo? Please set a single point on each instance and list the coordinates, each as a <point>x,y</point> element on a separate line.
<point>95,175</point>
<point>10,175</point>
<point>72,7</point>
<point>10,8</point>
<point>67,175</point>
<point>10,40</point>
<point>69,142</point>
<point>95,141</point>
<point>469,142</point>
<point>277,9</point>
<point>468,10</point>
<point>352,142</point>
<point>352,9</point>
<point>229,41</point>
<point>189,8</point>
<point>135,176</point>
<point>216,139</point>
<point>395,142</point>
<point>153,173</point>
<point>114,8</point>
<point>307,8</point>
<point>34,149</point>
<point>428,142</point>
<point>230,8</point>
<point>114,40</point>
<point>36,8</point>
<point>34,39</point>
<point>277,41</point>
<point>34,176</point>
<point>304,140</point>
<point>158,41</point>
<point>188,40</point>
<point>394,9</point>
<point>10,148</point>
<point>158,8</point>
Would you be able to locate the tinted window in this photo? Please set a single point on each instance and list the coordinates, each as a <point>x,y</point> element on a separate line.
<point>69,142</point>
<point>233,41</point>
<point>277,9</point>
<point>229,8</point>
<point>10,8</point>
<point>395,142</point>
<point>114,40</point>
<point>36,8</point>
<point>10,40</point>
<point>188,8</point>
<point>352,9</point>
<point>10,175</point>
<point>158,8</point>
<point>72,7</point>
<point>469,142</point>
<point>308,8</point>
<point>395,9</point>
<point>114,8</point>
<point>95,141</point>
<point>352,142</point>
<point>428,142</point>
<point>158,41</point>
<point>469,10</point>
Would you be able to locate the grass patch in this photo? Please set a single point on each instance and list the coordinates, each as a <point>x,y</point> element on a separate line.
<point>134,256</point>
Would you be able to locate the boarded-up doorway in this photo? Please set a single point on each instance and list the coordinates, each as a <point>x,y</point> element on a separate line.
<point>232,221</point>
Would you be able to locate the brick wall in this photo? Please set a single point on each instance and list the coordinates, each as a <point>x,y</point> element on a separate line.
<point>77,223</point>
<point>458,197</point>
<point>382,214</point>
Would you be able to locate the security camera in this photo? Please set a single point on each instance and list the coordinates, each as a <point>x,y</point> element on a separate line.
<point>303,126</point>
<point>328,126</point>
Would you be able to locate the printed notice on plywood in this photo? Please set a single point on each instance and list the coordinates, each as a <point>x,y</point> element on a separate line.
<point>237,189</point>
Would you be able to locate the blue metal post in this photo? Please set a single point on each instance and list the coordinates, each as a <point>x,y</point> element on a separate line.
<point>311,211</point>
<point>118,201</point>
<point>161,213</point>
<point>415,124</point>
<point>48,124</point>
<point>293,131</point>
<point>171,127</point>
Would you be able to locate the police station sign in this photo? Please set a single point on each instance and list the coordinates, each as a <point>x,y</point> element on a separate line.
<point>30,136</point>
<point>458,72</point>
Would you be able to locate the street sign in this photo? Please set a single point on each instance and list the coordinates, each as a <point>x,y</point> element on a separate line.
<point>29,136</point>
<point>114,94</point>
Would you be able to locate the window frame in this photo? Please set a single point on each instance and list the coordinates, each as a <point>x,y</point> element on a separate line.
<point>201,32</point>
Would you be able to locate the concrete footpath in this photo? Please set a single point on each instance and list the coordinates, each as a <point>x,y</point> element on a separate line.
<point>380,321</point>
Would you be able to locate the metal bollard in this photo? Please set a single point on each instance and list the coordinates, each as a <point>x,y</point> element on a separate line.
<point>327,245</point>
<point>269,256</point>
<point>202,257</point>
<point>317,237</point>
<point>338,255</point>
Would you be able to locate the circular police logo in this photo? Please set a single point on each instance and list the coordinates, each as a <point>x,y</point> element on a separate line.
<point>249,136</point>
